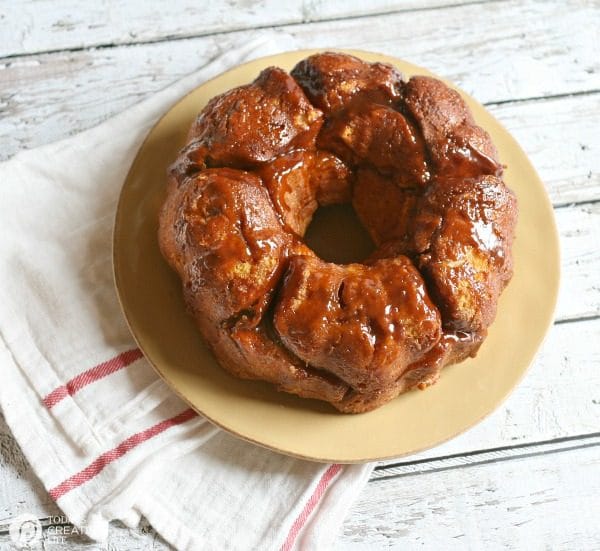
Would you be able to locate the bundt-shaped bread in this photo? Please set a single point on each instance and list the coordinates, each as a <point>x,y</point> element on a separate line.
<point>424,180</point>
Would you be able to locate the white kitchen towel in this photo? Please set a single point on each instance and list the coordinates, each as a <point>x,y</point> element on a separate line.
<point>106,437</point>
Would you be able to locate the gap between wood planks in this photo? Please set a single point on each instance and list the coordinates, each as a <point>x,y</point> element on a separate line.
<point>534,99</point>
<point>577,319</point>
<point>189,36</point>
<point>489,455</point>
<point>581,203</point>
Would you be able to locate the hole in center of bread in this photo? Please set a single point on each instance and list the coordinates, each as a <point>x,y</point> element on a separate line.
<point>336,234</point>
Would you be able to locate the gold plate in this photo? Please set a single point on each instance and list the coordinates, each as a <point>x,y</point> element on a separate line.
<point>151,298</point>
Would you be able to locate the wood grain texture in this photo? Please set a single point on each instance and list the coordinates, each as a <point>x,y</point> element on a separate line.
<point>560,136</point>
<point>33,26</point>
<point>20,490</point>
<point>473,496</point>
<point>546,501</point>
<point>46,97</point>
<point>579,231</point>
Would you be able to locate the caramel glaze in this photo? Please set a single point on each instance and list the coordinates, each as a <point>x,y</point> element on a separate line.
<point>332,80</point>
<point>462,238</point>
<point>250,125</point>
<point>424,180</point>
<point>299,181</point>
<point>220,232</point>
<point>377,136</point>
<point>365,324</point>
<point>385,209</point>
<point>457,146</point>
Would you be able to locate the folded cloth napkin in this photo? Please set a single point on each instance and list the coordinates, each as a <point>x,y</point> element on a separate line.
<point>105,435</point>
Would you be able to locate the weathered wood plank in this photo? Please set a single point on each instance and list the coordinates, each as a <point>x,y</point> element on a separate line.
<point>492,504</point>
<point>37,26</point>
<point>560,136</point>
<point>20,490</point>
<point>579,230</point>
<point>46,97</point>
<point>548,501</point>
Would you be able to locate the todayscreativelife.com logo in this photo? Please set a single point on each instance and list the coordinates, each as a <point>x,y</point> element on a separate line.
<point>25,531</point>
<point>28,532</point>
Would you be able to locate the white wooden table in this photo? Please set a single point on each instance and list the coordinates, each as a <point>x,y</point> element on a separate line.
<point>528,477</point>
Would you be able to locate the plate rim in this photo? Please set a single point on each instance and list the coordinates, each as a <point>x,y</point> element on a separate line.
<point>215,421</point>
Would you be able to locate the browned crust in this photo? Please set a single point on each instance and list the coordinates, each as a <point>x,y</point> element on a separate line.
<point>425,181</point>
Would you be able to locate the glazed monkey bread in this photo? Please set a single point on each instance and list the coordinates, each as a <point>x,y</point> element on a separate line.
<point>424,180</point>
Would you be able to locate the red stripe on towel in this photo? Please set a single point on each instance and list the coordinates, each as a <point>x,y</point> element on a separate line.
<point>312,502</point>
<point>93,374</point>
<point>98,465</point>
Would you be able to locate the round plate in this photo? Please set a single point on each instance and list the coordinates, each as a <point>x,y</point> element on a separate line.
<point>151,298</point>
